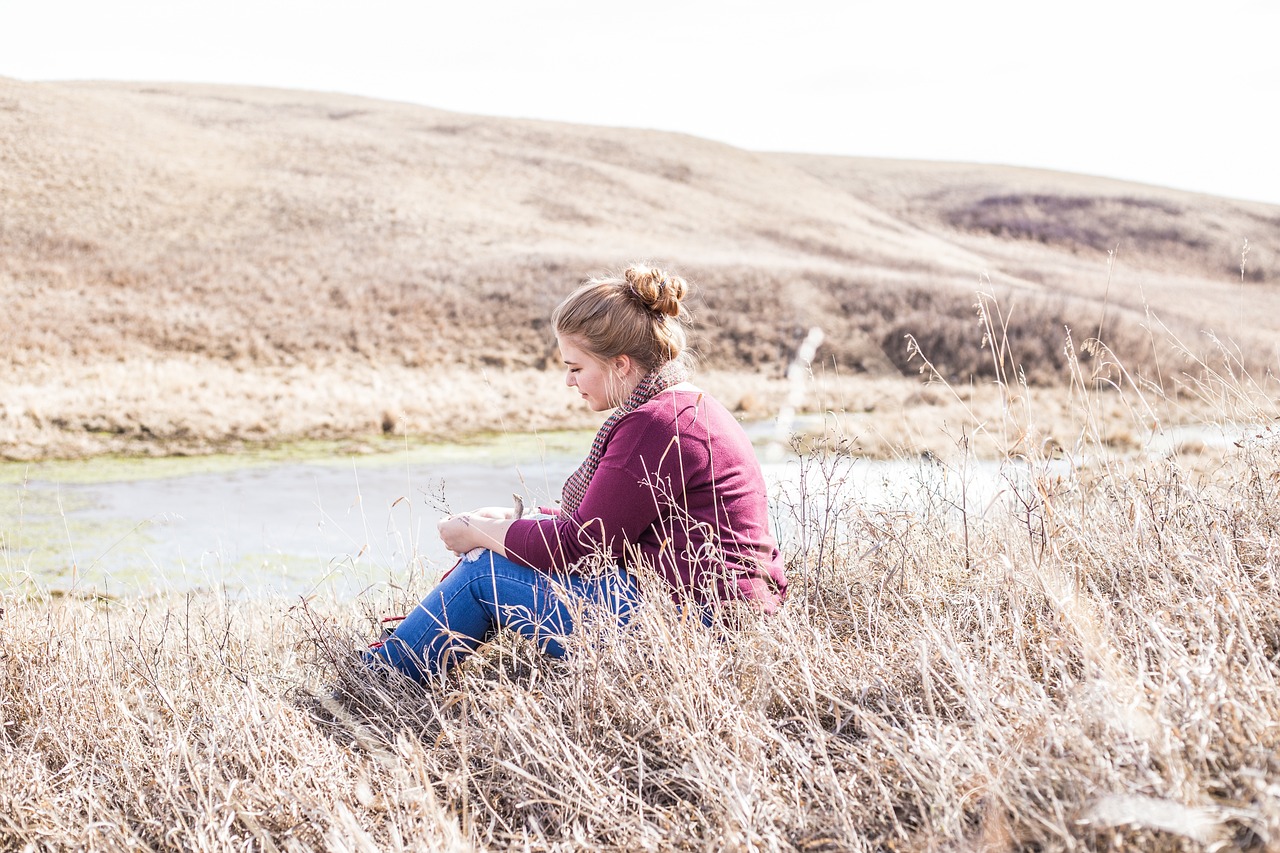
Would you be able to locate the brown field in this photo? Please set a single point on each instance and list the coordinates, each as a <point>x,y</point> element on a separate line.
<point>1091,663</point>
<point>1088,661</point>
<point>192,268</point>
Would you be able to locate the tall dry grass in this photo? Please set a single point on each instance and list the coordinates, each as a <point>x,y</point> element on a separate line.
<point>1089,658</point>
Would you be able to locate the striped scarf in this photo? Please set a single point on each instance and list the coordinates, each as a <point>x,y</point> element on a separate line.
<point>654,383</point>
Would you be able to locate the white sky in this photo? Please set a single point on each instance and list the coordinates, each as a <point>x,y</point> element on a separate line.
<point>1171,93</point>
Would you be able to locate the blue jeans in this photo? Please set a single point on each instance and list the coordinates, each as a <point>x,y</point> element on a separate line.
<point>492,592</point>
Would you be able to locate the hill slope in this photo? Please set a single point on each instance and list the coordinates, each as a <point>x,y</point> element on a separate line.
<point>247,230</point>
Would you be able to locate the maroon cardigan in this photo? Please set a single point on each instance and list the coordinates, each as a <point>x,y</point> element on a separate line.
<point>678,486</point>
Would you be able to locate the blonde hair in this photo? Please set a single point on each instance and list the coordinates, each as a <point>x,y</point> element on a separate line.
<point>637,314</point>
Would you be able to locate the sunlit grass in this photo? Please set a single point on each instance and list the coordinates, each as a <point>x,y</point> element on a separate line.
<point>1089,659</point>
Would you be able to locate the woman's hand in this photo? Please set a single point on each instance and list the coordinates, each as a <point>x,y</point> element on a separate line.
<point>465,531</point>
<point>457,533</point>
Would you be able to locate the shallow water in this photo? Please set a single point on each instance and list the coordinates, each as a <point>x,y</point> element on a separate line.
<point>337,523</point>
<point>332,526</point>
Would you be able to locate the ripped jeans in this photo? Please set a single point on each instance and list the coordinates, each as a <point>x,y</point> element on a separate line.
<point>491,592</point>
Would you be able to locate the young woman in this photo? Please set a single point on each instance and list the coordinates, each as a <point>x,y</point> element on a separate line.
<point>671,481</point>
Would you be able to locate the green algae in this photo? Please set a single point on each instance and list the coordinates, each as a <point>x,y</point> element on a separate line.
<point>373,452</point>
<point>39,532</point>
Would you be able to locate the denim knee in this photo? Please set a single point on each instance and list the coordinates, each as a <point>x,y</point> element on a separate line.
<point>479,596</point>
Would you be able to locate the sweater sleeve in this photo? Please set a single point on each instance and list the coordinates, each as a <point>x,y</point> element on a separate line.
<point>620,503</point>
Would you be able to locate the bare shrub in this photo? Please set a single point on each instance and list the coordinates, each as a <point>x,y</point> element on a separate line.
<point>1078,221</point>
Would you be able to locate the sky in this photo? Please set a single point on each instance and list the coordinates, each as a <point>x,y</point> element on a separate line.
<point>1171,93</point>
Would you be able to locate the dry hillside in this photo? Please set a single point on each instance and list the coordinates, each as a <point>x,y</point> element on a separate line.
<point>213,263</point>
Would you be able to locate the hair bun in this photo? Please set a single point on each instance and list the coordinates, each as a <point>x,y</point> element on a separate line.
<point>657,290</point>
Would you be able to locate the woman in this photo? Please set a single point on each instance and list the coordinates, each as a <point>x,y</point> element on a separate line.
<point>671,481</point>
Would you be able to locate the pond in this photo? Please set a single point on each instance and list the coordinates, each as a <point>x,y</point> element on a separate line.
<point>329,521</point>
<point>258,524</point>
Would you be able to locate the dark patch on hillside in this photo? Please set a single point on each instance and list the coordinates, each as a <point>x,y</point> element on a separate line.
<point>1078,221</point>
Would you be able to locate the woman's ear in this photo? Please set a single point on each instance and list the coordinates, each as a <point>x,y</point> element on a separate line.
<point>622,365</point>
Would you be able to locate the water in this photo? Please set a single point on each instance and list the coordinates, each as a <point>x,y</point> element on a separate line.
<point>342,523</point>
<point>323,526</point>
<point>334,526</point>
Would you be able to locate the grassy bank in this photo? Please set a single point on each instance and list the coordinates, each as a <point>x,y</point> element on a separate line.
<point>1090,660</point>
<point>86,411</point>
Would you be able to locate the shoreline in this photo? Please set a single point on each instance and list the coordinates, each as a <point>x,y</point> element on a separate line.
<point>188,408</point>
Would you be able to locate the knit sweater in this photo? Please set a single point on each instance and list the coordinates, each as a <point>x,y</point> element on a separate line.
<point>679,487</point>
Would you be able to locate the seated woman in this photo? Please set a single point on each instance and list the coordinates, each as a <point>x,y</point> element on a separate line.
<point>671,481</point>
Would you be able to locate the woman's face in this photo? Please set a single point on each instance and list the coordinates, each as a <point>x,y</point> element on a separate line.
<point>603,384</point>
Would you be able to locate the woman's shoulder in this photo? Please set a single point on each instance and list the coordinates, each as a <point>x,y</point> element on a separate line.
<point>666,405</point>
<point>681,408</point>
<point>688,418</point>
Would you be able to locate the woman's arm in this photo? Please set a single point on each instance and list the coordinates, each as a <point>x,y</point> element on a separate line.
<point>491,512</point>
<point>615,511</point>
<point>642,471</point>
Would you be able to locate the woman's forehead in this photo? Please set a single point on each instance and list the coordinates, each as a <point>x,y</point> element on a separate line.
<point>571,348</point>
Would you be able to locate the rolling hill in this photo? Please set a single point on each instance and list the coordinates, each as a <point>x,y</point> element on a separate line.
<point>207,243</point>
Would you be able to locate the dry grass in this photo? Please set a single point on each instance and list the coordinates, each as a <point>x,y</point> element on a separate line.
<point>1088,660</point>
<point>187,268</point>
<point>191,407</point>
<point>79,411</point>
